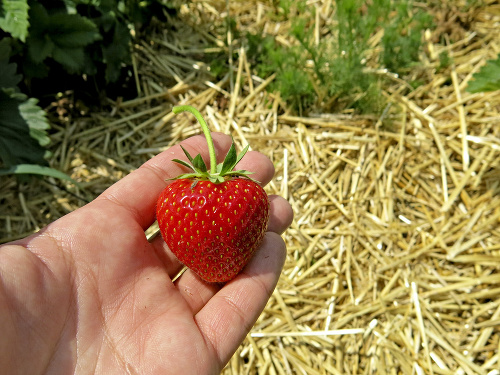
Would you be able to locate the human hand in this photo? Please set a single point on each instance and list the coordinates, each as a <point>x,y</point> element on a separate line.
<point>90,294</point>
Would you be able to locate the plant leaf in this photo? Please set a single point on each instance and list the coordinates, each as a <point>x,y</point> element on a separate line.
<point>240,172</point>
<point>39,44</point>
<point>487,79</point>
<point>8,78</point>
<point>216,179</point>
<point>187,154</point>
<point>71,58</point>
<point>72,30</point>
<point>16,144</point>
<point>229,160</point>
<point>38,170</point>
<point>244,174</point>
<point>182,162</point>
<point>36,119</point>
<point>40,47</point>
<point>185,175</point>
<point>117,52</point>
<point>199,164</point>
<point>241,154</point>
<point>61,36</point>
<point>14,19</point>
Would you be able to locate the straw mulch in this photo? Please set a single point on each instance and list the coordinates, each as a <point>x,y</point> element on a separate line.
<point>394,254</point>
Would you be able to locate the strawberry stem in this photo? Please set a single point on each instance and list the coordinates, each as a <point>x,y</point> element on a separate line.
<point>206,131</point>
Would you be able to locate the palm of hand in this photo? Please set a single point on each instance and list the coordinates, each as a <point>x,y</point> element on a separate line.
<point>90,294</point>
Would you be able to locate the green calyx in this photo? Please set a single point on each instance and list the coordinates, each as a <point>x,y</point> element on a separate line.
<point>218,172</point>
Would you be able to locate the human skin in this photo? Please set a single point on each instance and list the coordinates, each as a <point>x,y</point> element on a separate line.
<point>89,294</point>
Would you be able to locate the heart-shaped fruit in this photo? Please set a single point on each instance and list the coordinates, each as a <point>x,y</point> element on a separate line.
<point>213,221</point>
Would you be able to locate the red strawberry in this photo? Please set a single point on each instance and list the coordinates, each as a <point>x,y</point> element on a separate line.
<point>213,221</point>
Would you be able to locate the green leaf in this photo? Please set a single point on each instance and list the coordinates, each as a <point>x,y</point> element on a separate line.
<point>16,144</point>
<point>182,162</point>
<point>229,160</point>
<point>71,58</point>
<point>38,170</point>
<point>216,179</point>
<point>240,172</point>
<point>14,18</point>
<point>116,53</point>
<point>36,119</point>
<point>39,44</point>
<point>107,21</point>
<point>187,155</point>
<point>39,48</point>
<point>243,173</point>
<point>39,20</point>
<point>186,175</point>
<point>61,36</point>
<point>72,30</point>
<point>487,79</point>
<point>241,154</point>
<point>199,164</point>
<point>8,78</point>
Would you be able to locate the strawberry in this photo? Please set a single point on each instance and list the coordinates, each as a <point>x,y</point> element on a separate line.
<point>213,220</point>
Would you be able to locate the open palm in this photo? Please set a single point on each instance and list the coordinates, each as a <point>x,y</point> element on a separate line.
<point>90,294</point>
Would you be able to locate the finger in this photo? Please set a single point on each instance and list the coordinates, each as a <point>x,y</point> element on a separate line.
<point>195,291</point>
<point>259,164</point>
<point>230,314</point>
<point>171,264</point>
<point>280,214</point>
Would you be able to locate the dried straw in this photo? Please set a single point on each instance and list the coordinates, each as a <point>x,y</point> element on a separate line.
<point>393,257</point>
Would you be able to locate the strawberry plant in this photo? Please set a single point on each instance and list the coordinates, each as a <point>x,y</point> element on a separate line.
<point>23,126</point>
<point>82,37</point>
<point>403,37</point>
<point>487,79</point>
<point>89,40</point>
<point>14,18</point>
<point>330,74</point>
<point>213,219</point>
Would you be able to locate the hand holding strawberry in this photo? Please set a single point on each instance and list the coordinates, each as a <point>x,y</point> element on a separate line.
<point>213,220</point>
<point>101,295</point>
